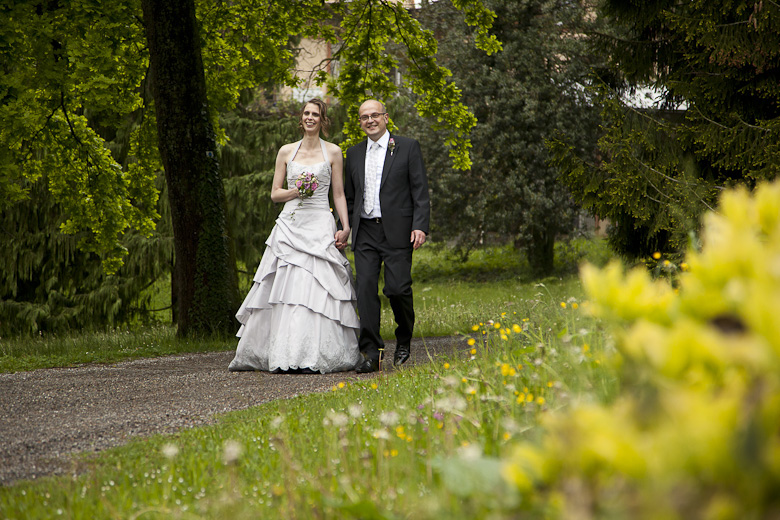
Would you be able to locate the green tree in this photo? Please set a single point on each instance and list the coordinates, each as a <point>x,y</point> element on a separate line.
<point>69,64</point>
<point>714,68</point>
<point>522,96</point>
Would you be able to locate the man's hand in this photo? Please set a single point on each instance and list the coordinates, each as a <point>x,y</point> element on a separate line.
<point>341,238</point>
<point>418,238</point>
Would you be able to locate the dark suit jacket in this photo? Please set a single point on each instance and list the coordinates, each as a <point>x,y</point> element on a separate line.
<point>403,193</point>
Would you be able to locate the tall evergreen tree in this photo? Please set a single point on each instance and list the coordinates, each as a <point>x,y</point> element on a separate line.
<point>714,69</point>
<point>521,96</point>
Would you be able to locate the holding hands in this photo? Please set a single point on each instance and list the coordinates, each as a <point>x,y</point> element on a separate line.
<point>342,235</point>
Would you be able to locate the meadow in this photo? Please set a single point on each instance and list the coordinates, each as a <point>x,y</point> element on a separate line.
<point>392,446</point>
<point>644,399</point>
<point>449,296</point>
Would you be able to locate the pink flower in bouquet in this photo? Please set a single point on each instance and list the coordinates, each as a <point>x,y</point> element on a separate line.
<point>306,183</point>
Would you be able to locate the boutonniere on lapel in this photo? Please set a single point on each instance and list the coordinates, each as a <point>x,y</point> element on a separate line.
<point>391,146</point>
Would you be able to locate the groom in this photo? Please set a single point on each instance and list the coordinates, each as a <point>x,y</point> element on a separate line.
<point>389,210</point>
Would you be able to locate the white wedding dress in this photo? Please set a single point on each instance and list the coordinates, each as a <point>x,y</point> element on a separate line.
<point>300,312</point>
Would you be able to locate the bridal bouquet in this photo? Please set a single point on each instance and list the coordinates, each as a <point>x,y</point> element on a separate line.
<point>306,183</point>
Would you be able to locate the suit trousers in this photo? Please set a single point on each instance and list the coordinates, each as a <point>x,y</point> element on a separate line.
<point>371,251</point>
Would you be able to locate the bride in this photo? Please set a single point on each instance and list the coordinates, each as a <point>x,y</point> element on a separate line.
<point>299,315</point>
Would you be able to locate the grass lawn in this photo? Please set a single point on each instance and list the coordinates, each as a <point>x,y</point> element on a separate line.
<point>425,442</point>
<point>449,297</point>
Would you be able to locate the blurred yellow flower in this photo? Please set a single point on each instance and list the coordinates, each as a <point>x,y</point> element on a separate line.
<point>473,351</point>
<point>446,366</point>
<point>517,328</point>
<point>497,325</point>
<point>341,384</point>
<point>656,255</point>
<point>374,386</point>
<point>507,436</point>
<point>475,327</point>
<point>563,305</point>
<point>575,306</point>
<point>471,342</point>
<point>504,337</point>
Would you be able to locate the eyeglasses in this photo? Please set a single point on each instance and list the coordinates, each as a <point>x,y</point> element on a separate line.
<point>375,115</point>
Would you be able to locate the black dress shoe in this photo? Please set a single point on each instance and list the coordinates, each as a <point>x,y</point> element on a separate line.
<point>402,353</point>
<point>367,365</point>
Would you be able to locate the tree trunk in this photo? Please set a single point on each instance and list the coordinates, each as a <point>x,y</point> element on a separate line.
<point>541,252</point>
<point>204,274</point>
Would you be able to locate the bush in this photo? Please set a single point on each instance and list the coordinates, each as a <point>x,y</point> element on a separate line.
<point>694,431</point>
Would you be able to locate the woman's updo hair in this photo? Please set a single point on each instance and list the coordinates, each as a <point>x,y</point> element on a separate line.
<point>324,119</point>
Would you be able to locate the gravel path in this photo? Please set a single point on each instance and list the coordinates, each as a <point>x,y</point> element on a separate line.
<point>48,415</point>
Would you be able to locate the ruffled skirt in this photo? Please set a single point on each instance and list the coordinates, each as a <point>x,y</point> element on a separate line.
<point>300,311</point>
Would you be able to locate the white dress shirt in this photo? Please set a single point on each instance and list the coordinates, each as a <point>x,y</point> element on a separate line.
<point>380,154</point>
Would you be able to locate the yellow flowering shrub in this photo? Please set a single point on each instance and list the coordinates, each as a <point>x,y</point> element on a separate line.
<point>695,431</point>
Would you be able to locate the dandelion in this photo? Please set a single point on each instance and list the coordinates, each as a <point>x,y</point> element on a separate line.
<point>450,381</point>
<point>231,451</point>
<point>666,263</point>
<point>517,328</point>
<point>586,348</point>
<point>475,328</point>
<point>355,410</point>
<point>169,450</point>
<point>507,436</point>
<point>684,266</point>
<point>471,343</point>
<point>656,255</point>
<point>550,384</point>
<point>563,305</point>
<point>446,366</point>
<point>388,418</point>
<point>473,351</point>
<point>575,306</point>
<point>341,384</point>
<point>393,453</point>
<point>374,386</point>
<point>540,400</point>
<point>497,325</point>
<point>337,419</point>
<point>471,390</point>
<point>504,337</point>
